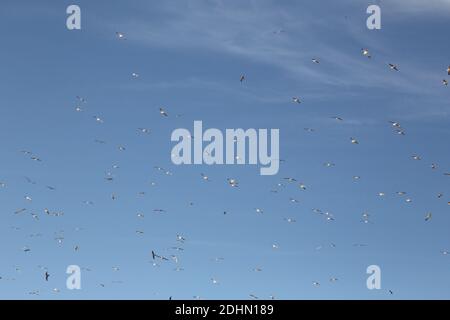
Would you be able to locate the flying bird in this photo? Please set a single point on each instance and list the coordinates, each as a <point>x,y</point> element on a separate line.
<point>296,100</point>
<point>162,112</point>
<point>366,53</point>
<point>393,66</point>
<point>120,36</point>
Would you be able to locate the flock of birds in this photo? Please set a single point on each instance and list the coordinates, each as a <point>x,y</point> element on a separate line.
<point>173,257</point>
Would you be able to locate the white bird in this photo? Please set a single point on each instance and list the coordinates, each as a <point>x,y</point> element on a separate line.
<point>98,119</point>
<point>233,182</point>
<point>135,75</point>
<point>393,67</point>
<point>296,100</point>
<point>428,216</point>
<point>354,141</point>
<point>120,36</point>
<point>144,130</point>
<point>162,112</point>
<point>366,53</point>
<point>315,60</point>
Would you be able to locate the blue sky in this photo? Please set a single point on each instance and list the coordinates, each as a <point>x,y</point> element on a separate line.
<point>190,56</point>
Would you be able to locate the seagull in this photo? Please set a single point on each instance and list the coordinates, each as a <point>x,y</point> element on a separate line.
<point>78,109</point>
<point>354,141</point>
<point>47,275</point>
<point>448,70</point>
<point>296,100</point>
<point>81,99</point>
<point>214,281</point>
<point>333,279</point>
<point>120,36</point>
<point>242,78</point>
<point>395,124</point>
<point>302,186</point>
<point>416,157</point>
<point>289,179</point>
<point>253,296</point>
<point>233,182</point>
<point>135,75</point>
<point>98,119</point>
<point>315,60</point>
<point>162,112</point>
<point>204,177</point>
<point>445,82</point>
<point>393,67</point>
<point>433,166</point>
<point>144,130</point>
<point>366,53</point>
<point>20,211</point>
<point>365,217</point>
<point>290,220</point>
<point>428,216</point>
<point>316,284</point>
<point>180,238</point>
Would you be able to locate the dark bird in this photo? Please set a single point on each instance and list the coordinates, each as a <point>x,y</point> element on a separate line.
<point>47,275</point>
